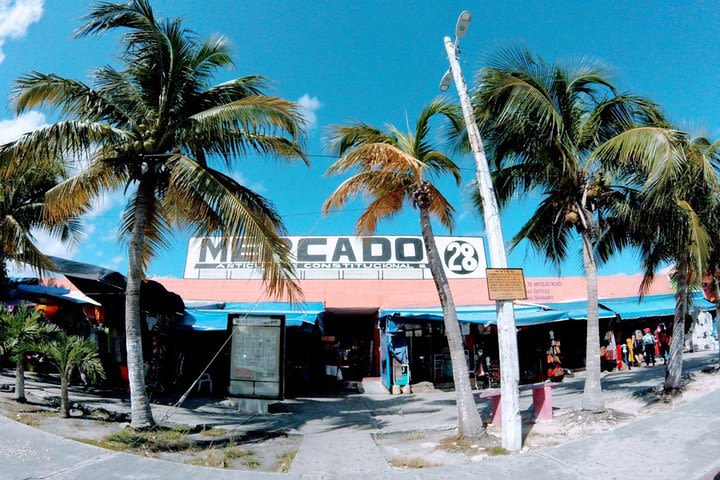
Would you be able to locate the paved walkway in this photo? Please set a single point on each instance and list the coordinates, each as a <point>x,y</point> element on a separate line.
<point>343,453</point>
<point>683,443</point>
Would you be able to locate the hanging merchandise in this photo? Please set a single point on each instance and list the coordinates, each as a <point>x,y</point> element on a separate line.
<point>702,333</point>
<point>555,370</point>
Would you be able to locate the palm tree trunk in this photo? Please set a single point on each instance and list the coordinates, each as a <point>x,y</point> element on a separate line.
<point>592,399</point>
<point>64,400</point>
<point>716,285</point>
<point>673,374</point>
<point>469,421</point>
<point>4,280</point>
<point>140,411</point>
<point>20,378</point>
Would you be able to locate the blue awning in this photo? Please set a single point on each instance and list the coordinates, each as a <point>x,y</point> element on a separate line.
<point>296,314</point>
<point>481,314</point>
<point>204,320</point>
<point>630,308</point>
<point>577,310</point>
<point>57,293</point>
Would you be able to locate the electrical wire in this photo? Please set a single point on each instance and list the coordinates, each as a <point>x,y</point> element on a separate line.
<point>184,396</point>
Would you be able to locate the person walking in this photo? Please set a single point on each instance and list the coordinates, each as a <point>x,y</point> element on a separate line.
<point>649,344</point>
<point>625,349</point>
<point>664,341</point>
<point>638,348</point>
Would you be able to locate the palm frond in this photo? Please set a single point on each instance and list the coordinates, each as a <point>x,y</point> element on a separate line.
<point>255,114</point>
<point>61,140</point>
<point>372,183</point>
<point>75,196</point>
<point>70,97</point>
<point>547,232</point>
<point>343,138</point>
<point>372,156</point>
<point>104,16</point>
<point>243,215</point>
<point>657,149</point>
<point>384,207</point>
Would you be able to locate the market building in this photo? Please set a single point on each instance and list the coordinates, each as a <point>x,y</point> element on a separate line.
<point>371,318</point>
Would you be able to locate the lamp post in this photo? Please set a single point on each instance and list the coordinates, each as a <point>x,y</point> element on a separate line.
<point>507,335</point>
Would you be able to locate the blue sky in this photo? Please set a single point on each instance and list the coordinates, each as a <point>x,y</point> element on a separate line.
<point>376,62</point>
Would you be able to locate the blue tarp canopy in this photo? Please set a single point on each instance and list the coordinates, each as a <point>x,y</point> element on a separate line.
<point>481,314</point>
<point>57,293</point>
<point>630,308</point>
<point>577,310</point>
<point>296,314</point>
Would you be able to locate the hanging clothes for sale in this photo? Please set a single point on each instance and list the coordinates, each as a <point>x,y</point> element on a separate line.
<point>555,370</point>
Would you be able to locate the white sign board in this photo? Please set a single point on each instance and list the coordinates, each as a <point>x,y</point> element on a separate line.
<point>341,257</point>
<point>256,358</point>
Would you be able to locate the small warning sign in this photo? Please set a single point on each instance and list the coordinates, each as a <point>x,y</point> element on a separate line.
<point>506,284</point>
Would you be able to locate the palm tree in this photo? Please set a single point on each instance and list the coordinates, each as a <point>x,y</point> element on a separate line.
<point>23,204</point>
<point>563,131</point>
<point>394,168</point>
<point>67,352</point>
<point>671,224</point>
<point>154,125</point>
<point>20,330</point>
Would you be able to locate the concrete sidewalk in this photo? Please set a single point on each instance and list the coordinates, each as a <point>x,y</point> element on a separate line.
<point>682,443</point>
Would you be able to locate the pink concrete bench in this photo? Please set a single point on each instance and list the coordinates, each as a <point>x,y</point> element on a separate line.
<point>542,400</point>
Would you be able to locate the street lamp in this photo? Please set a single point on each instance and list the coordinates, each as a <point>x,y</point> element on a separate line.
<point>446,81</point>
<point>507,335</point>
<point>462,25</point>
<point>460,28</point>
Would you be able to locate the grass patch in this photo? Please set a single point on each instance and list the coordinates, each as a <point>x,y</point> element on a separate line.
<point>214,432</point>
<point>410,462</point>
<point>284,460</point>
<point>415,436</point>
<point>495,451</point>
<point>31,418</point>
<point>28,419</point>
<point>102,444</point>
<point>458,444</point>
<point>246,458</point>
<point>251,462</point>
<point>224,458</point>
<point>234,452</point>
<point>159,439</point>
<point>211,458</point>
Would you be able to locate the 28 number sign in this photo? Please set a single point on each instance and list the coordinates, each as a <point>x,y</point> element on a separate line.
<point>461,257</point>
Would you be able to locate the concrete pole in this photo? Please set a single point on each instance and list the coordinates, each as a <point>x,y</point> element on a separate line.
<point>507,336</point>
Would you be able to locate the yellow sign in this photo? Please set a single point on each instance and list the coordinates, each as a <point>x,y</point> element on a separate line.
<point>506,284</point>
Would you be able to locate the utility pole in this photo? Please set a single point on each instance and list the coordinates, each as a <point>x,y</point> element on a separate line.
<point>507,335</point>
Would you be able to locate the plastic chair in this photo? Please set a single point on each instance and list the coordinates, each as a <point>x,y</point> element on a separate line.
<point>205,378</point>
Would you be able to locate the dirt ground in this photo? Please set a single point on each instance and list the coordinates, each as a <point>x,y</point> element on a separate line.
<point>423,449</point>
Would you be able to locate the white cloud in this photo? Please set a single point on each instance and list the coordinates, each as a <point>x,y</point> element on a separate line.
<point>114,263</point>
<point>13,128</point>
<point>106,201</point>
<point>160,277</point>
<point>15,18</point>
<point>308,107</point>
<point>50,245</point>
<point>256,187</point>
